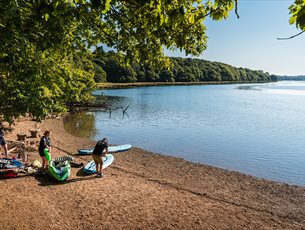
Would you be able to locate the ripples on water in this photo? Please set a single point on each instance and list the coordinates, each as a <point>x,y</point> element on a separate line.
<point>257,129</point>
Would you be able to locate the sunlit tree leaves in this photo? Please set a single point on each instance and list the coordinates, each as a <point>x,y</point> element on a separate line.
<point>42,42</point>
<point>297,12</point>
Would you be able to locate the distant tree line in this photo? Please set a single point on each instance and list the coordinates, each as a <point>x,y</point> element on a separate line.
<point>108,68</point>
<point>292,78</point>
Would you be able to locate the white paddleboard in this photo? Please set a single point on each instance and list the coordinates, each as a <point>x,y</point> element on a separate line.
<point>111,149</point>
<point>90,167</point>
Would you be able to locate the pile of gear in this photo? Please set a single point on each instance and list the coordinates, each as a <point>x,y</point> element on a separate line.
<point>11,167</point>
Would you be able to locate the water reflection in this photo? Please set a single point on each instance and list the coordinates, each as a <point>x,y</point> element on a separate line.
<point>247,87</point>
<point>80,124</point>
<point>111,102</point>
<point>83,123</point>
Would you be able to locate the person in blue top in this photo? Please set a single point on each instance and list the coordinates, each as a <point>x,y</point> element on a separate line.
<point>45,149</point>
<point>2,140</point>
<point>97,155</point>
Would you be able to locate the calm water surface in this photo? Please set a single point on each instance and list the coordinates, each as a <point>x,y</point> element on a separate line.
<point>256,129</point>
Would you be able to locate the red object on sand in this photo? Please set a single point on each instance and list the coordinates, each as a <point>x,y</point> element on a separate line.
<point>8,173</point>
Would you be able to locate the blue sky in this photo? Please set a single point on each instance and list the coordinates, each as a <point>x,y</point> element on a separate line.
<point>250,41</point>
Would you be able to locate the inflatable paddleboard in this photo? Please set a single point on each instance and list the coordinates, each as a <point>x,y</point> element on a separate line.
<point>90,167</point>
<point>111,149</point>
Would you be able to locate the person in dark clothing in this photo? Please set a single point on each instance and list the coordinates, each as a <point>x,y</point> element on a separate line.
<point>45,149</point>
<point>2,140</point>
<point>97,155</point>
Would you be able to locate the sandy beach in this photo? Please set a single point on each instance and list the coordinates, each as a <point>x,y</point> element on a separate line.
<point>143,190</point>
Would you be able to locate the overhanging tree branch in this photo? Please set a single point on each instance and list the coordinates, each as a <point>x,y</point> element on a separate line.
<point>291,36</point>
<point>214,11</point>
<point>236,11</point>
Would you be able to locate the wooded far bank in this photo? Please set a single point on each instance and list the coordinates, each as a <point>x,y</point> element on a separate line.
<point>107,68</point>
<point>111,85</point>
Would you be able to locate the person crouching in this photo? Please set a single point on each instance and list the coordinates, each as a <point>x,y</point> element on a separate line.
<point>97,155</point>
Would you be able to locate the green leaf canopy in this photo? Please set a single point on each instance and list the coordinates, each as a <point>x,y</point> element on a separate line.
<point>45,44</point>
<point>297,12</point>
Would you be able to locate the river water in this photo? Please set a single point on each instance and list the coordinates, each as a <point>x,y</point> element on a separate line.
<point>257,129</point>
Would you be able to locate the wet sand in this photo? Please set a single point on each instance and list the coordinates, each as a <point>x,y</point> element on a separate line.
<point>143,190</point>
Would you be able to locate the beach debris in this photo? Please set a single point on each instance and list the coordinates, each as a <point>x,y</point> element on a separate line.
<point>10,163</point>
<point>124,110</point>
<point>34,133</point>
<point>9,167</point>
<point>28,170</point>
<point>36,164</point>
<point>21,136</point>
<point>31,171</point>
<point>8,173</point>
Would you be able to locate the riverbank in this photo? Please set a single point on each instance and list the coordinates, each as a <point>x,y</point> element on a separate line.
<point>143,190</point>
<point>144,84</point>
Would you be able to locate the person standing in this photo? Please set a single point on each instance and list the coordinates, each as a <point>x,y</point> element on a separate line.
<point>97,155</point>
<point>2,140</point>
<point>45,149</point>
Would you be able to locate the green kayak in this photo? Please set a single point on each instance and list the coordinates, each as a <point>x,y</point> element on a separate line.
<point>59,168</point>
<point>59,171</point>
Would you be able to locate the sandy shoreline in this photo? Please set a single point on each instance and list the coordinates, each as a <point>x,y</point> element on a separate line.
<point>143,190</point>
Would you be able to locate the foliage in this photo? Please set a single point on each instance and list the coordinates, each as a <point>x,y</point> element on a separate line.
<point>297,12</point>
<point>99,74</point>
<point>42,86</point>
<point>40,66</point>
<point>141,29</point>
<point>181,70</point>
<point>291,78</point>
<point>45,45</point>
